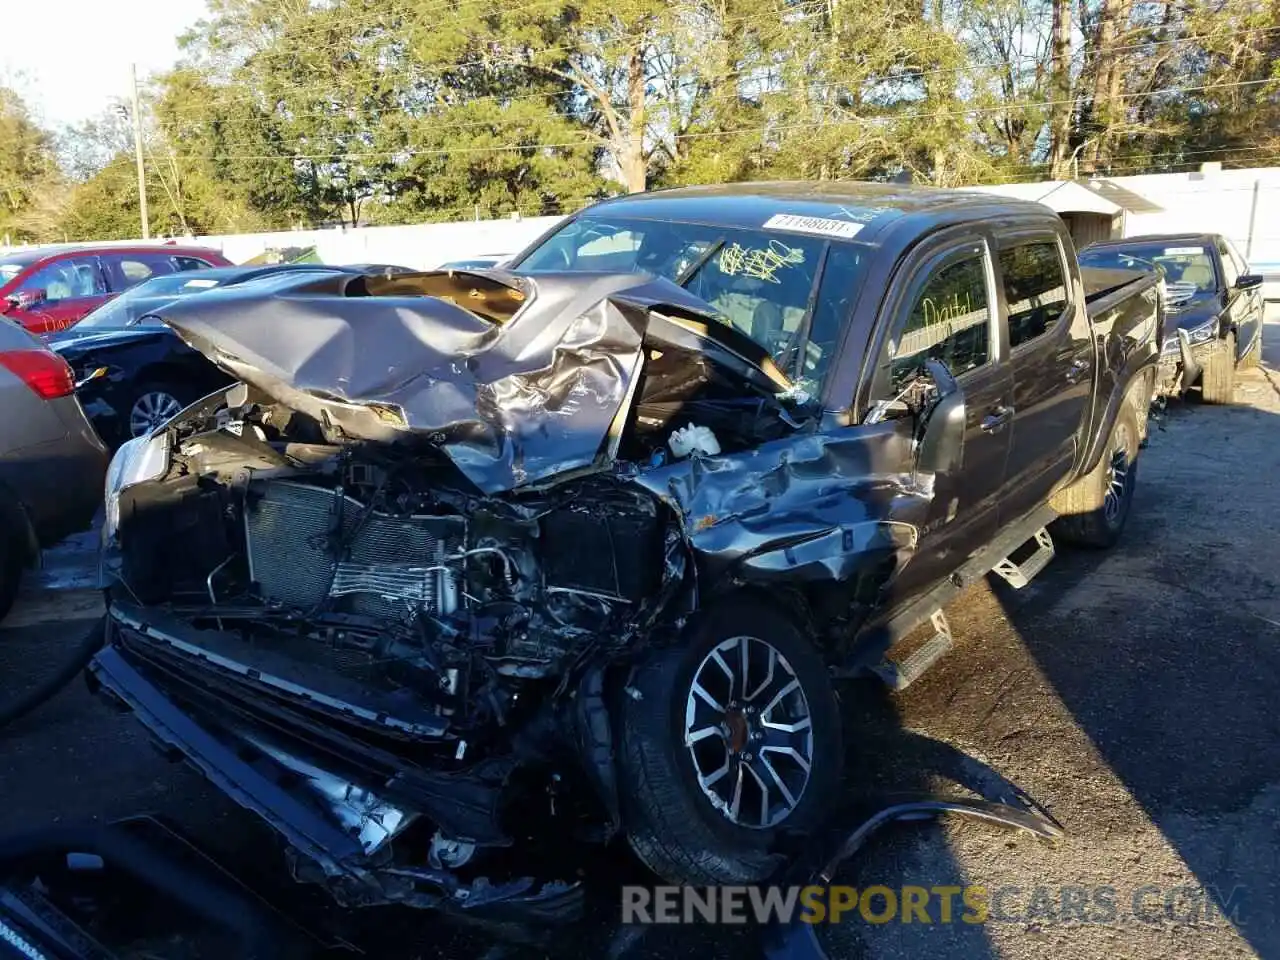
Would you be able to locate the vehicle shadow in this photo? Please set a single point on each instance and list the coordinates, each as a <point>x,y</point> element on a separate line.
<point>1166,650</point>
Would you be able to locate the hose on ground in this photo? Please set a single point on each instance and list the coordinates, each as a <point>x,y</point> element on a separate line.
<point>76,661</point>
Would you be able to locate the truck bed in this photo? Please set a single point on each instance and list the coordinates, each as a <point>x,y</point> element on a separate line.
<point>1104,288</point>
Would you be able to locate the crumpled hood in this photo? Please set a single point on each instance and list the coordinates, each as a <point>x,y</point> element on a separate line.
<point>545,394</point>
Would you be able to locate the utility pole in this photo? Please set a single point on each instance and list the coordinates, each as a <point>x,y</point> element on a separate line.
<point>137,149</point>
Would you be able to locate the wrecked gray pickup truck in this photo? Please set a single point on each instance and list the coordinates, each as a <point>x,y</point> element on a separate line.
<point>471,563</point>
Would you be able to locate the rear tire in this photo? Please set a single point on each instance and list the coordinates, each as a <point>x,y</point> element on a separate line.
<point>669,758</point>
<point>1218,382</point>
<point>1111,483</point>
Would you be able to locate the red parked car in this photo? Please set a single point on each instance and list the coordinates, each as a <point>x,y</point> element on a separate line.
<point>51,288</point>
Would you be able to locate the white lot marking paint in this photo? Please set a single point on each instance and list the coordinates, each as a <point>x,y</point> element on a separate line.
<point>819,226</point>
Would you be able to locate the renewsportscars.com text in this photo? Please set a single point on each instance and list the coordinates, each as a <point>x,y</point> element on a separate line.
<point>973,904</point>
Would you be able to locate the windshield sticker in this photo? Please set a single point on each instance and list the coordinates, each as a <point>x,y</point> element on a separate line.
<point>816,225</point>
<point>1183,251</point>
<point>201,283</point>
<point>759,263</point>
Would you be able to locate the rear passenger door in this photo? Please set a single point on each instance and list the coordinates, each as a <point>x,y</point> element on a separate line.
<point>1052,361</point>
<point>947,312</point>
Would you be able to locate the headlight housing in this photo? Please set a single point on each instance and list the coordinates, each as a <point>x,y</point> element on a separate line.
<point>1203,333</point>
<point>140,460</point>
<point>1195,335</point>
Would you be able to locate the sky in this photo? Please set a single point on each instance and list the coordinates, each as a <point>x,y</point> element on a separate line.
<point>70,58</point>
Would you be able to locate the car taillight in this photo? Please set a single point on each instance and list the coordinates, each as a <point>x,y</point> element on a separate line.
<point>43,371</point>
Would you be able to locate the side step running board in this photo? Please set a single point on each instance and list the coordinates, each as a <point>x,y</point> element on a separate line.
<point>1018,575</point>
<point>879,636</point>
<point>900,675</point>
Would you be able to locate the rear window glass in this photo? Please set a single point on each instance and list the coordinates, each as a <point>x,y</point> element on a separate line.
<point>1035,289</point>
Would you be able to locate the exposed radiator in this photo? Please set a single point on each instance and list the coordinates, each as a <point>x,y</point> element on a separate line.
<point>393,566</point>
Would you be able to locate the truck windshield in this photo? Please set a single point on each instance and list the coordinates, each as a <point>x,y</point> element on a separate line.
<point>131,307</point>
<point>759,282</point>
<point>1186,265</point>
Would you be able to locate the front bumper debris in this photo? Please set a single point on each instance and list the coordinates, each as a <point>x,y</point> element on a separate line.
<point>1180,368</point>
<point>323,848</point>
<point>798,940</point>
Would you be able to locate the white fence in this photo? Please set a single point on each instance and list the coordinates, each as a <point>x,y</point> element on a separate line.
<point>1241,204</point>
<point>421,246</point>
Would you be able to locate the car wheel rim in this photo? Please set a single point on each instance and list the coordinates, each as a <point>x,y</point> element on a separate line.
<point>151,410</point>
<point>1118,472</point>
<point>749,732</point>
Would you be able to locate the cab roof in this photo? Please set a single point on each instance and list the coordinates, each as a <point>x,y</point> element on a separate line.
<point>750,205</point>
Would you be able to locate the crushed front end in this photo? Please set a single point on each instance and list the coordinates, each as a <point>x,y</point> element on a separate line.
<point>387,591</point>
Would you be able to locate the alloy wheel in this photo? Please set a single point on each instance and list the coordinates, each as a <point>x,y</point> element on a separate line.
<point>151,410</point>
<point>749,732</point>
<point>1117,475</point>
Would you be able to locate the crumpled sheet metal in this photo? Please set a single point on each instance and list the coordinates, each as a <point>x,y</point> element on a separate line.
<point>806,508</point>
<point>509,405</point>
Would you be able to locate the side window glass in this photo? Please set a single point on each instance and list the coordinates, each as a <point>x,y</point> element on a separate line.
<point>189,263</point>
<point>66,280</point>
<point>1230,273</point>
<point>949,321</point>
<point>1035,289</point>
<point>133,269</point>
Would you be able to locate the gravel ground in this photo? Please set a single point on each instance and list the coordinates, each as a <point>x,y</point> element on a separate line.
<point>1131,693</point>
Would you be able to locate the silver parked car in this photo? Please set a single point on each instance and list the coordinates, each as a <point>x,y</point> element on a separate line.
<point>51,460</point>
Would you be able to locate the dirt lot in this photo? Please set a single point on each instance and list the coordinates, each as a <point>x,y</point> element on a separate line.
<point>1134,694</point>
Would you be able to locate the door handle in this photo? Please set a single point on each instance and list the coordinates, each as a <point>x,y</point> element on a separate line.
<point>1077,370</point>
<point>994,421</point>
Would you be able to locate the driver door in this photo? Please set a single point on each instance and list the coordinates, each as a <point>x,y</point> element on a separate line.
<point>946,311</point>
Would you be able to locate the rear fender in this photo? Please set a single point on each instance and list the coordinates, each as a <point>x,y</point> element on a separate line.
<point>1136,387</point>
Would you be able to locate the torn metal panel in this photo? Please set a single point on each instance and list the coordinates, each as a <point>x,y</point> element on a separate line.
<point>805,508</point>
<point>509,403</point>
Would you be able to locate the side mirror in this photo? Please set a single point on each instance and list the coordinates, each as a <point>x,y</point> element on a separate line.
<point>940,447</point>
<point>1248,281</point>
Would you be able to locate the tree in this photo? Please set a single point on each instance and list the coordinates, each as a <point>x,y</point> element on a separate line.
<point>29,175</point>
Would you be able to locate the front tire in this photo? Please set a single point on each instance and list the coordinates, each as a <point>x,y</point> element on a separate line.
<point>728,742</point>
<point>1218,382</point>
<point>1254,357</point>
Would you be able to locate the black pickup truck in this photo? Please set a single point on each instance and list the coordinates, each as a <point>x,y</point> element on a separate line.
<point>1213,301</point>
<point>470,563</point>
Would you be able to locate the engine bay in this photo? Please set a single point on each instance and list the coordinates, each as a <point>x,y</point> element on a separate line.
<point>357,563</point>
